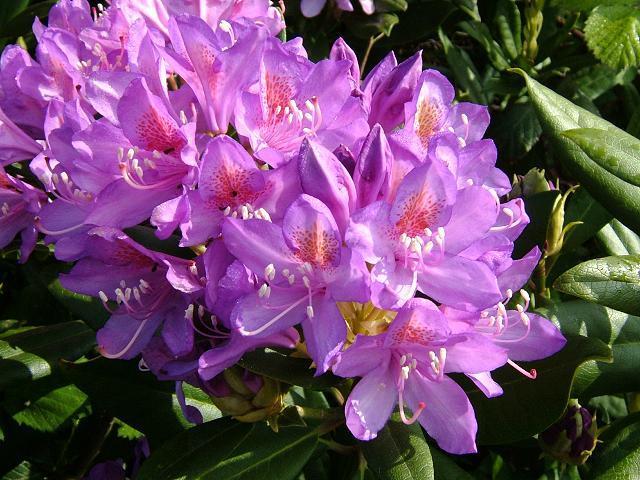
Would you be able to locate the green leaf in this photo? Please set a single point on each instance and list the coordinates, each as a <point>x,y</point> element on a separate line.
<point>464,71</point>
<point>138,398</point>
<point>619,456</point>
<point>146,236</point>
<point>582,207</point>
<point>87,308</point>
<point>480,32</point>
<point>616,239</point>
<point>508,418</point>
<point>618,154</point>
<point>610,281</point>
<point>34,353</point>
<point>619,330</point>
<point>50,411</point>
<point>399,452</point>
<point>509,26</point>
<point>612,34</point>
<point>8,10</point>
<point>295,371</point>
<point>558,115</point>
<point>366,26</point>
<point>24,471</point>
<point>517,129</point>
<point>22,21</point>
<point>445,468</point>
<point>228,450</point>
<point>538,207</point>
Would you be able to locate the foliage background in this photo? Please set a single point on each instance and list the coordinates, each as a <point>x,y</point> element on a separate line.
<point>62,409</point>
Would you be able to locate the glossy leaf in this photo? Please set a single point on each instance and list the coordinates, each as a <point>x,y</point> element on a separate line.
<point>619,455</point>
<point>35,353</point>
<point>295,371</point>
<point>616,239</point>
<point>399,452</point>
<point>509,418</point>
<point>582,207</point>
<point>610,281</point>
<point>557,115</point>
<point>225,449</point>
<point>619,330</point>
<point>618,154</point>
<point>136,397</point>
<point>50,411</point>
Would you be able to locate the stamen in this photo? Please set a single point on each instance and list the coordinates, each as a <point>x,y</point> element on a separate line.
<point>532,374</point>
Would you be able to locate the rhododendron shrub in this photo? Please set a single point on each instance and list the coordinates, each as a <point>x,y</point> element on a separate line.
<point>276,239</point>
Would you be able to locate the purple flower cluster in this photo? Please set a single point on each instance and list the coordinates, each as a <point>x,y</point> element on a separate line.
<point>362,217</point>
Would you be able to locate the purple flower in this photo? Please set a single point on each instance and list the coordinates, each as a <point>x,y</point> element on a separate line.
<point>19,205</point>
<point>408,364</point>
<point>312,8</point>
<point>149,289</point>
<point>414,241</point>
<point>230,184</point>
<point>216,65</point>
<point>15,144</point>
<point>302,270</point>
<point>292,101</point>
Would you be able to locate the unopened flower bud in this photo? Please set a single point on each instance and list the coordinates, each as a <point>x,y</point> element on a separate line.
<point>572,438</point>
<point>556,230</point>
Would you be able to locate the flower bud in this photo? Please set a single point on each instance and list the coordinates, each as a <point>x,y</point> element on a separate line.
<point>556,230</point>
<point>573,438</point>
<point>247,397</point>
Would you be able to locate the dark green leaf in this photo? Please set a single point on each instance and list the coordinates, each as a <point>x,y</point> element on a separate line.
<point>34,353</point>
<point>619,455</point>
<point>24,471</point>
<point>445,468</point>
<point>50,411</point>
<point>146,237</point>
<point>618,329</point>
<point>480,32</point>
<point>87,308</point>
<point>618,154</point>
<point>228,450</point>
<point>582,207</point>
<point>10,9</point>
<point>365,26</point>
<point>610,281</point>
<point>558,115</point>
<point>465,73</point>
<point>22,22</point>
<point>509,25</point>
<point>508,418</point>
<point>399,452</point>
<point>517,129</point>
<point>136,397</point>
<point>538,208</point>
<point>296,371</point>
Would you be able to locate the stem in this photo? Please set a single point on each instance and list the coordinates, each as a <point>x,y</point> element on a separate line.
<point>102,431</point>
<point>338,447</point>
<point>372,42</point>
<point>321,414</point>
